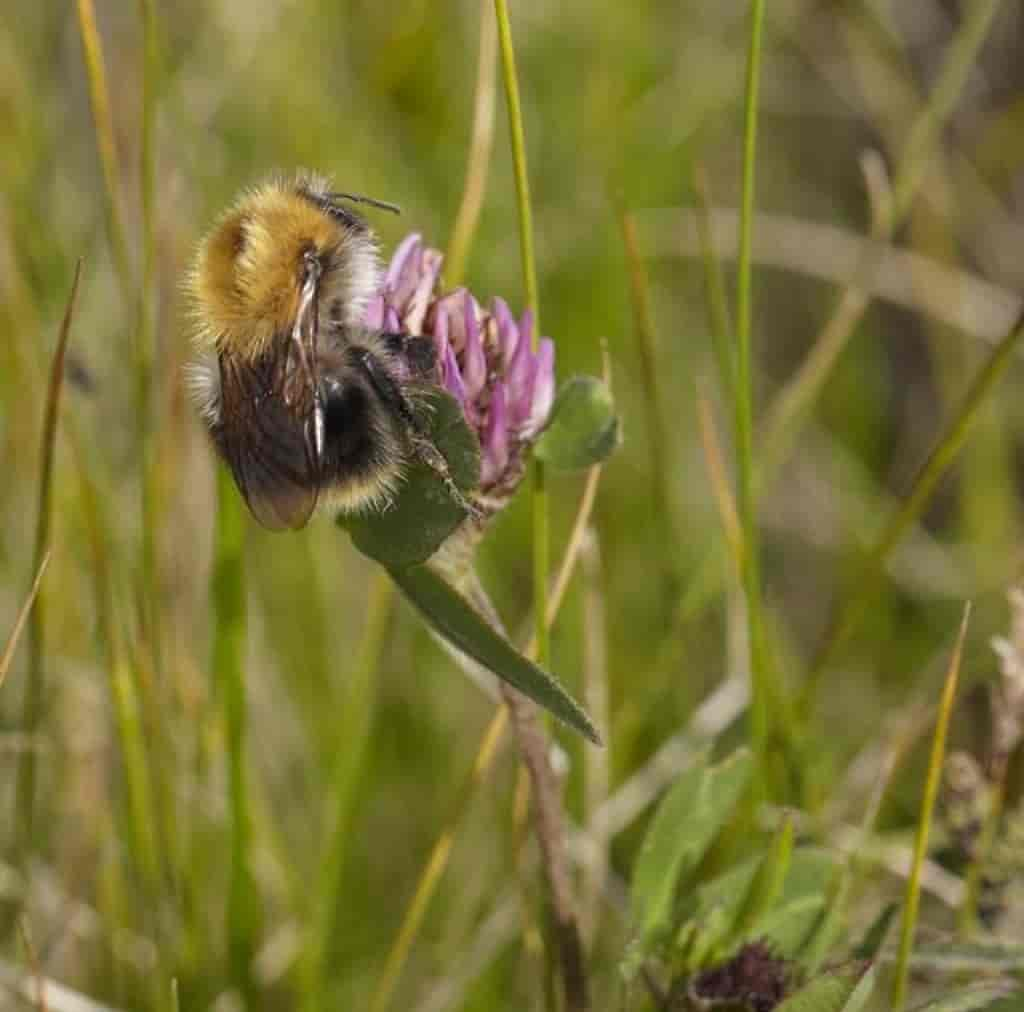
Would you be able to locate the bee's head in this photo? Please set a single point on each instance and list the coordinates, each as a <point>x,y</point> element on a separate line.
<point>249,274</point>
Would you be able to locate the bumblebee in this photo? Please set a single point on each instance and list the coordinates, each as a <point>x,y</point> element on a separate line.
<point>304,403</point>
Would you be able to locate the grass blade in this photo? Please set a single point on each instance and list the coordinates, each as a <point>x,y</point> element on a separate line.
<point>792,407</point>
<point>743,395</point>
<point>931,790</point>
<point>144,335</point>
<point>481,145</point>
<point>657,436</point>
<point>940,459</point>
<point>714,288</point>
<point>19,623</point>
<point>353,736</point>
<point>436,864</point>
<point>32,711</point>
<point>103,122</point>
<point>124,682</point>
<point>766,885</point>
<point>541,531</point>
<point>228,663</point>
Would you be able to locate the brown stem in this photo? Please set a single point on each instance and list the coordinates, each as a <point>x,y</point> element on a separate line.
<point>550,826</point>
<point>534,748</point>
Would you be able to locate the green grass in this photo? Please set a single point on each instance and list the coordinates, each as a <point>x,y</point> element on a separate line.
<point>743,406</point>
<point>250,771</point>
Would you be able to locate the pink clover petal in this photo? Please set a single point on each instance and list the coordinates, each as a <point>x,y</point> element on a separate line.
<point>484,359</point>
<point>495,444</point>
<point>400,262</point>
<point>542,394</point>
<point>474,362</point>
<point>450,306</point>
<point>508,332</point>
<point>453,376</point>
<point>519,374</point>
<point>438,325</point>
<point>419,299</point>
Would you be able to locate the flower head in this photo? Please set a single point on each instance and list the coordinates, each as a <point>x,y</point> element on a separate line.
<point>755,979</point>
<point>484,358</point>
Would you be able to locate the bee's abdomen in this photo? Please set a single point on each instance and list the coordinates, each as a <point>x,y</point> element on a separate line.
<point>347,432</point>
<point>362,452</point>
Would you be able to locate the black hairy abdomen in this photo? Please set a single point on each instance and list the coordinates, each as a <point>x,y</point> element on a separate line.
<point>352,443</point>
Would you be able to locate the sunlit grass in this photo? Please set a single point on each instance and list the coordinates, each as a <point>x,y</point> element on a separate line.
<point>234,772</point>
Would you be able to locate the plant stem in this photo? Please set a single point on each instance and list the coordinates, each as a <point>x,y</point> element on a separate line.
<point>144,334</point>
<point>99,97</point>
<point>515,124</point>
<point>32,712</point>
<point>549,820</point>
<point>357,718</point>
<point>7,654</point>
<point>657,437</point>
<point>714,288</point>
<point>949,85</point>
<point>229,641</point>
<point>743,401</point>
<point>541,533</point>
<point>931,790</point>
<point>479,161</point>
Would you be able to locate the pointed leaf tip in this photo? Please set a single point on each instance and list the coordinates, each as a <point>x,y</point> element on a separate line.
<point>845,989</point>
<point>448,612</point>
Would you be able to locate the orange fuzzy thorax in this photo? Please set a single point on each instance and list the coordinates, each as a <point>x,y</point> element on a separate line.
<point>247,279</point>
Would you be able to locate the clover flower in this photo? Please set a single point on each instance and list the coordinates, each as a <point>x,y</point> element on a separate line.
<point>484,359</point>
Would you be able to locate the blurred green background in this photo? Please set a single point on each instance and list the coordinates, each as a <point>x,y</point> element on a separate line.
<point>623,104</point>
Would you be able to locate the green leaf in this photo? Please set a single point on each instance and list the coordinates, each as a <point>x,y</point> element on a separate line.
<point>767,882</point>
<point>799,906</point>
<point>447,611</point>
<point>424,513</point>
<point>844,990</point>
<point>705,943</point>
<point>871,944</point>
<point>975,998</point>
<point>583,429</point>
<point>970,957</point>
<point>824,932</point>
<point>862,992</point>
<point>682,829</point>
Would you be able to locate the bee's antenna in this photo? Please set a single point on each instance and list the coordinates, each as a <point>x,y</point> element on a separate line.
<point>358,199</point>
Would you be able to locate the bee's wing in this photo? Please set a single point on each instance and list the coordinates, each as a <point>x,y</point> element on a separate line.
<point>267,436</point>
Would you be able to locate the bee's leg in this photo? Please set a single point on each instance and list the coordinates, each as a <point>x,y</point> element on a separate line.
<point>423,446</point>
<point>415,351</point>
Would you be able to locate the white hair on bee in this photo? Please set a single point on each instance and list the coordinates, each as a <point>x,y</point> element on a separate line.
<point>202,382</point>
